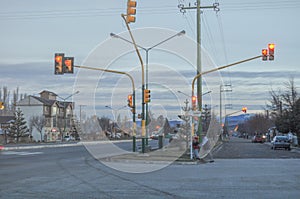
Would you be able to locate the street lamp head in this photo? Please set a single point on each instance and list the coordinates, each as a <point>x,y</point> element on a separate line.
<point>181,33</point>
<point>184,93</point>
<point>206,93</point>
<point>113,35</point>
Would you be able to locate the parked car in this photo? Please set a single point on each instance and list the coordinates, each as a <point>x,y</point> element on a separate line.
<point>68,138</point>
<point>281,142</point>
<point>258,138</point>
<point>154,135</point>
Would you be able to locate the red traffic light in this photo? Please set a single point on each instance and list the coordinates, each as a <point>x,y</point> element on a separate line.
<point>68,64</point>
<point>264,54</point>
<point>58,58</point>
<point>58,63</point>
<point>130,100</point>
<point>194,102</point>
<point>271,48</point>
<point>244,109</point>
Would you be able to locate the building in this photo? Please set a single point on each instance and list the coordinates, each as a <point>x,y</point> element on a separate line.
<point>4,125</point>
<point>58,115</point>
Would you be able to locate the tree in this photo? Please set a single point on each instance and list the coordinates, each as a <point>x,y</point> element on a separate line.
<point>284,108</point>
<point>38,122</point>
<point>257,124</point>
<point>18,128</point>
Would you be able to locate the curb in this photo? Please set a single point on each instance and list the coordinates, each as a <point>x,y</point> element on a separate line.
<point>39,146</point>
<point>7,148</point>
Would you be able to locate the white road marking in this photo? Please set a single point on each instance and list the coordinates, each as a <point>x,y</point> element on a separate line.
<point>20,153</point>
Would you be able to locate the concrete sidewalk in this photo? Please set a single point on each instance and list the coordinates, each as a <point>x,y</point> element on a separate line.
<point>168,154</point>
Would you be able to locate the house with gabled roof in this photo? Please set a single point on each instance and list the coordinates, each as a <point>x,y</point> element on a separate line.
<point>58,115</point>
<point>4,125</point>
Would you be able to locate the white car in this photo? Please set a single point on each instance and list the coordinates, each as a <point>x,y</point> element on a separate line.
<point>68,138</point>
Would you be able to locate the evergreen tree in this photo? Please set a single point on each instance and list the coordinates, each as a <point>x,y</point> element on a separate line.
<point>18,128</point>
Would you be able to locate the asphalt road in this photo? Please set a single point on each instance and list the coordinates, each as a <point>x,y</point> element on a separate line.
<point>71,172</point>
<point>243,148</point>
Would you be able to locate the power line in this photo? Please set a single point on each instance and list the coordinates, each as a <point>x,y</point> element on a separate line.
<point>82,13</point>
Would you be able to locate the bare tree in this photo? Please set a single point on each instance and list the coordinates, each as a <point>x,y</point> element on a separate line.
<point>15,99</point>
<point>284,109</point>
<point>39,123</point>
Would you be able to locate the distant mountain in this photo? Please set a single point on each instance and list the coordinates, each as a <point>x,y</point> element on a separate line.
<point>232,121</point>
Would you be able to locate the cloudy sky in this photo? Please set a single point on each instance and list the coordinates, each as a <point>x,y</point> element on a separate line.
<point>32,31</point>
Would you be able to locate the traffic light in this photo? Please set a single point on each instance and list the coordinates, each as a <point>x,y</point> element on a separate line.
<point>68,64</point>
<point>131,11</point>
<point>194,102</point>
<point>244,109</point>
<point>271,48</point>
<point>264,54</point>
<point>58,63</point>
<point>147,96</point>
<point>1,105</point>
<point>130,101</point>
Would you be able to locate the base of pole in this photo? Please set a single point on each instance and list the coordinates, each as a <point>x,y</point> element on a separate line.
<point>134,144</point>
<point>143,144</point>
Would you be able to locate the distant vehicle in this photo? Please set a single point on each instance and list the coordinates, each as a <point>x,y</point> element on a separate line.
<point>113,135</point>
<point>173,137</point>
<point>1,147</point>
<point>235,134</point>
<point>154,135</point>
<point>281,142</point>
<point>258,138</point>
<point>68,138</point>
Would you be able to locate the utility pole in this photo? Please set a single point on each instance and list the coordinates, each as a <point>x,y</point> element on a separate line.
<point>80,107</point>
<point>223,88</point>
<point>187,118</point>
<point>198,7</point>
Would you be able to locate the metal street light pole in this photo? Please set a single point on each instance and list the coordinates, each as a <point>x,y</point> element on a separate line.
<point>222,89</point>
<point>143,82</point>
<point>80,107</point>
<point>226,118</point>
<point>216,69</point>
<point>115,111</point>
<point>65,111</point>
<point>147,58</point>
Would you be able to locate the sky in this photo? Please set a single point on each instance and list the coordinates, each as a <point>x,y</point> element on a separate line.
<point>32,31</point>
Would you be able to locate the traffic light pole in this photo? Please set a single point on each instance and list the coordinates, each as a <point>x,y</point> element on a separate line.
<point>226,120</point>
<point>133,96</point>
<point>220,68</point>
<point>147,50</point>
<point>143,84</point>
